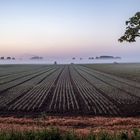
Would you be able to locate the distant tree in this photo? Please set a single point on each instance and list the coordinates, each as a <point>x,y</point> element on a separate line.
<point>2,58</point>
<point>8,58</point>
<point>73,58</point>
<point>36,58</point>
<point>91,58</point>
<point>132,29</point>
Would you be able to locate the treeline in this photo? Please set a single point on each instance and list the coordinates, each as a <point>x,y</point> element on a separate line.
<point>7,58</point>
<point>101,57</point>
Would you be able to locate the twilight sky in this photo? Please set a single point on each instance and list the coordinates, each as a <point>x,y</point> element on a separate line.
<point>66,28</point>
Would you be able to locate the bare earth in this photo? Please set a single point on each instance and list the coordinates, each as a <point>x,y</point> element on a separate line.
<point>81,125</point>
<point>70,90</point>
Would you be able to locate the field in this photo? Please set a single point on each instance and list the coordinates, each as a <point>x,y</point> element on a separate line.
<point>70,90</point>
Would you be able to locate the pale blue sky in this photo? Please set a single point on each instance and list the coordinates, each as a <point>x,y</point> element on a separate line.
<point>65,28</point>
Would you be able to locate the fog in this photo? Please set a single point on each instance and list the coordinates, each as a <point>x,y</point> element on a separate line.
<point>69,61</point>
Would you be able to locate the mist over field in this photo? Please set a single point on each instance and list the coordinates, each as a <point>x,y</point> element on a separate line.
<point>69,61</point>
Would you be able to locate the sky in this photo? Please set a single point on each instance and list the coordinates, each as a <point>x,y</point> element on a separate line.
<point>66,28</point>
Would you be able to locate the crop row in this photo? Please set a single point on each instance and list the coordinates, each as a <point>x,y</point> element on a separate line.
<point>118,94</point>
<point>64,99</point>
<point>94,101</point>
<point>35,98</point>
<point>68,89</point>
<point>12,93</point>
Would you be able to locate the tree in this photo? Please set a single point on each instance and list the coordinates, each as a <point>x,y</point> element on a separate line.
<point>132,29</point>
<point>8,58</point>
<point>2,58</point>
<point>55,62</point>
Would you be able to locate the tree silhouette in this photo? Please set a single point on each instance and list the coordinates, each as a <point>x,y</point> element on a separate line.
<point>132,29</point>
